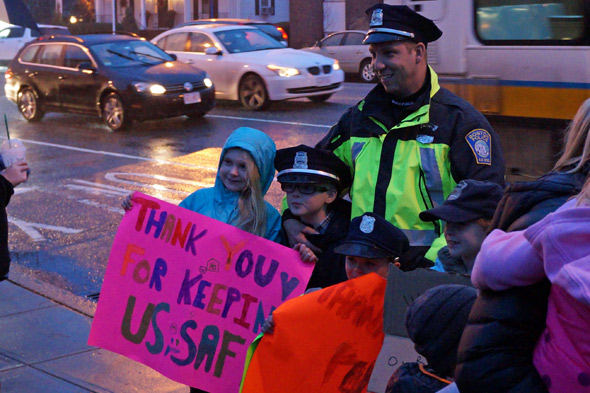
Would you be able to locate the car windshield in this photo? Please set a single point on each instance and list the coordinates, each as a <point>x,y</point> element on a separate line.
<point>130,53</point>
<point>247,40</point>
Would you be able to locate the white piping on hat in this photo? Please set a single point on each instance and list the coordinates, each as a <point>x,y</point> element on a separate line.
<point>390,31</point>
<point>310,172</point>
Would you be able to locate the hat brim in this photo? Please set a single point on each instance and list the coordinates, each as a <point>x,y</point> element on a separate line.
<point>305,178</point>
<point>361,250</point>
<point>375,38</point>
<point>449,214</point>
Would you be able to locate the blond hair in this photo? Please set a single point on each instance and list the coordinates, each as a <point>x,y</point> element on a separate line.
<point>583,198</point>
<point>576,149</point>
<point>251,206</point>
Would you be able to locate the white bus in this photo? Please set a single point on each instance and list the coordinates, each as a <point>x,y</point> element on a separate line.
<point>517,58</point>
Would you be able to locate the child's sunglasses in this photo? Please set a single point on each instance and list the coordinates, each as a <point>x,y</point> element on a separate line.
<point>305,189</point>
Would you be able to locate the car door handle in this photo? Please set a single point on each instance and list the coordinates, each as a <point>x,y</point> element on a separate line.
<point>61,77</point>
<point>189,62</point>
<point>359,53</point>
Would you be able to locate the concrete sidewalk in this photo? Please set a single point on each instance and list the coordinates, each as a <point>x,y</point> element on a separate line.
<point>43,335</point>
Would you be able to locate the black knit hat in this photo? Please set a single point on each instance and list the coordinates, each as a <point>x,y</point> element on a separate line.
<point>435,322</point>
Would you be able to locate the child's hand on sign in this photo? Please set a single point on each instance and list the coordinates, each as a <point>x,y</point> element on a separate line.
<point>127,202</point>
<point>305,253</point>
<point>268,327</point>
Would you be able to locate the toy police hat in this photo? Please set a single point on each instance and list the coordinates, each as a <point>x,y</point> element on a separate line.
<point>304,164</point>
<point>371,236</point>
<point>470,200</point>
<point>399,22</point>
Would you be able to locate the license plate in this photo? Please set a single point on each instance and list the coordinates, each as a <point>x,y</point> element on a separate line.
<point>192,98</point>
<point>323,80</point>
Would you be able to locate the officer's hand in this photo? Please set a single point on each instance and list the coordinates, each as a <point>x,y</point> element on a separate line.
<point>268,327</point>
<point>305,253</point>
<point>296,231</point>
<point>127,202</point>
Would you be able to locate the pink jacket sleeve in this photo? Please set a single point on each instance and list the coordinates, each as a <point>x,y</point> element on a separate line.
<point>506,260</point>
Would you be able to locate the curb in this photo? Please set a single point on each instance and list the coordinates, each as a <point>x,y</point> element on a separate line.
<point>25,278</point>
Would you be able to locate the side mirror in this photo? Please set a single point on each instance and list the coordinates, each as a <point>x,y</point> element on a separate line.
<point>212,51</point>
<point>86,67</point>
<point>174,57</point>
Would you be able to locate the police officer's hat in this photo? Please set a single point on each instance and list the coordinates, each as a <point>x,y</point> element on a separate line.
<point>470,200</point>
<point>371,236</point>
<point>399,22</point>
<point>304,164</point>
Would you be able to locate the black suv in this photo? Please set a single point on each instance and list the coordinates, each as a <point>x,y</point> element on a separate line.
<point>121,78</point>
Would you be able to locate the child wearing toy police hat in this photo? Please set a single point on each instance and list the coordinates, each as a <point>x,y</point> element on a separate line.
<point>467,213</point>
<point>313,179</point>
<point>371,245</point>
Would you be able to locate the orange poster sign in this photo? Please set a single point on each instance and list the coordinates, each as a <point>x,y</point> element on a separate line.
<point>325,341</point>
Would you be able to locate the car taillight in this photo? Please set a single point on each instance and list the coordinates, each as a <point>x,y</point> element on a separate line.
<point>8,74</point>
<point>283,33</point>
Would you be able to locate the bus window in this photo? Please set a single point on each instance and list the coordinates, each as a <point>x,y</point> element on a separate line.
<point>532,22</point>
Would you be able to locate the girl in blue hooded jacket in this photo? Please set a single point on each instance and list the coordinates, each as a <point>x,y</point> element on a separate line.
<point>245,173</point>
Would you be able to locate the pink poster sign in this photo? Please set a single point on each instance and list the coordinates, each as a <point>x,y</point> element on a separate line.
<point>186,295</point>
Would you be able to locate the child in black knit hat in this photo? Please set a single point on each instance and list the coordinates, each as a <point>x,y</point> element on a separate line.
<point>435,322</point>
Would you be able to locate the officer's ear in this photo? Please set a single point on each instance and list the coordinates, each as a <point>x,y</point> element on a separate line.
<point>420,49</point>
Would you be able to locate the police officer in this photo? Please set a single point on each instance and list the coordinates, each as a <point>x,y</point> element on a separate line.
<point>409,141</point>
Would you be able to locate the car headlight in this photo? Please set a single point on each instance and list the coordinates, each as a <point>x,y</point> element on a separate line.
<point>336,65</point>
<point>208,82</point>
<point>155,89</point>
<point>283,71</point>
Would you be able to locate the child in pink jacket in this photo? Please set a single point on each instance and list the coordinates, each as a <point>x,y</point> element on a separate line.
<point>557,247</point>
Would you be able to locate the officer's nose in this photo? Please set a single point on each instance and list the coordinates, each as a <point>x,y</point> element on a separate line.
<point>377,64</point>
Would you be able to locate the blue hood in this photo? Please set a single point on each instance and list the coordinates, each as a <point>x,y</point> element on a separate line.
<point>260,146</point>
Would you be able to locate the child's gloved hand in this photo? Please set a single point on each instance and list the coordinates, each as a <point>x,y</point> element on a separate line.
<point>127,202</point>
<point>268,327</point>
<point>305,253</point>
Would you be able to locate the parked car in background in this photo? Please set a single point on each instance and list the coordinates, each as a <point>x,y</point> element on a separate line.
<point>247,65</point>
<point>118,77</point>
<point>12,38</point>
<point>276,32</point>
<point>347,47</point>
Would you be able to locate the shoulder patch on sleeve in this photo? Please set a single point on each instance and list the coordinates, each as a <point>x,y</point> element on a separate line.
<point>480,142</point>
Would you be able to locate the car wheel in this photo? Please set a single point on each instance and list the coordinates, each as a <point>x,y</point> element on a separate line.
<point>28,105</point>
<point>320,98</point>
<point>252,93</point>
<point>367,73</point>
<point>114,114</point>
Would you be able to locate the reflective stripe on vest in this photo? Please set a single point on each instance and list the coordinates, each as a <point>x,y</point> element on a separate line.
<point>432,174</point>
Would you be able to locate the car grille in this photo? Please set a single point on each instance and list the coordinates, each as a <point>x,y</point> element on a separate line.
<point>326,69</point>
<point>313,89</point>
<point>197,85</point>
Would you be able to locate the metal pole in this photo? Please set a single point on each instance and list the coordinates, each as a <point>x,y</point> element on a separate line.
<point>211,8</point>
<point>114,16</point>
